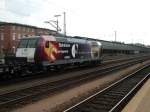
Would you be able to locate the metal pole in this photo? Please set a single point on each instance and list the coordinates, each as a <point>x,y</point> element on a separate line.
<point>65,23</point>
<point>115,36</point>
<point>57,24</point>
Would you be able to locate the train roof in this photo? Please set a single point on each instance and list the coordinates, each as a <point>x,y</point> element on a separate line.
<point>110,45</point>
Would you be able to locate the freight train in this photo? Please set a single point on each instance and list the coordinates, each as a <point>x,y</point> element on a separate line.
<point>47,51</point>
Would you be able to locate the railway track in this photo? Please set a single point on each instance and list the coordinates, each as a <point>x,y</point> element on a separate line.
<point>114,97</point>
<point>5,73</point>
<point>4,69</point>
<point>6,79</point>
<point>22,94</point>
<point>22,77</point>
<point>61,73</point>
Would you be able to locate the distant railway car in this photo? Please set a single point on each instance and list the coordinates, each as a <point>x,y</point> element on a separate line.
<point>49,51</point>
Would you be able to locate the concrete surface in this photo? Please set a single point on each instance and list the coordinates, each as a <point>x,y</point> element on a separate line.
<point>141,101</point>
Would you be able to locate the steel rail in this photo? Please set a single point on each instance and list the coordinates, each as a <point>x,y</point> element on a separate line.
<point>19,95</point>
<point>111,99</point>
<point>4,69</point>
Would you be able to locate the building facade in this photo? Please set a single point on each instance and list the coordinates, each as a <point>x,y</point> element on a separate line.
<point>10,33</point>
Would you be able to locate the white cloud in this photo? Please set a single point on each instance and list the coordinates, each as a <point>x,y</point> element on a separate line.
<point>94,18</point>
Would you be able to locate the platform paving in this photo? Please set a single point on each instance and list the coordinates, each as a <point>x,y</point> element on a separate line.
<point>141,101</point>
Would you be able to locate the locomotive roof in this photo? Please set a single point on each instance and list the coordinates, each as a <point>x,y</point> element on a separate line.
<point>25,37</point>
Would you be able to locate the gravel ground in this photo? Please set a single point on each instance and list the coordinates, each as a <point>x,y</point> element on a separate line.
<point>59,101</point>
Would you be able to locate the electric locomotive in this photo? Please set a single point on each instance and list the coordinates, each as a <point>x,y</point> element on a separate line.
<point>53,51</point>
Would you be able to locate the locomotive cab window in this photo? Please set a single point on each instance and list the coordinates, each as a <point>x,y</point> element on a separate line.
<point>23,43</point>
<point>32,43</point>
<point>47,44</point>
<point>28,43</point>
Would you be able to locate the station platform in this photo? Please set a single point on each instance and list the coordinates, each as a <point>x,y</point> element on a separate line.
<point>141,101</point>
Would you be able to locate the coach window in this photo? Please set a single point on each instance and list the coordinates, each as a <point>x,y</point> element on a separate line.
<point>47,44</point>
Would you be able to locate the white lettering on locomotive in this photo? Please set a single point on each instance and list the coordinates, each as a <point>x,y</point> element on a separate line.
<point>64,45</point>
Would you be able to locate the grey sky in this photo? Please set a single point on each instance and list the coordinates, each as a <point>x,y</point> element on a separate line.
<point>94,18</point>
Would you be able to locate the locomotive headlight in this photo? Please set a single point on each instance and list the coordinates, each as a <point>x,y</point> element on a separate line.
<point>99,43</point>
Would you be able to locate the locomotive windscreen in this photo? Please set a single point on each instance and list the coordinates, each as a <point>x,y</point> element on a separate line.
<point>28,43</point>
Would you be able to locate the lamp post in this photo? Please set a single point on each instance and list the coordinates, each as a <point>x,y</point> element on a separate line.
<point>64,23</point>
<point>54,23</point>
<point>57,25</point>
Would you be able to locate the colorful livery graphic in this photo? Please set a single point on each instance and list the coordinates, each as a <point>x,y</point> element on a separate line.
<point>52,50</point>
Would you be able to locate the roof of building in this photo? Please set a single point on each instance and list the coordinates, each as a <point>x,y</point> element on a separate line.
<point>25,25</point>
